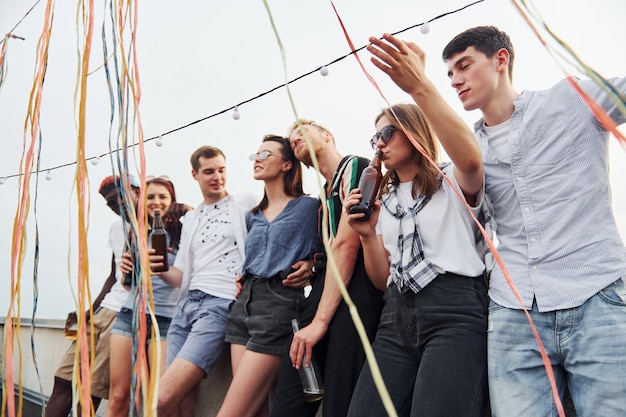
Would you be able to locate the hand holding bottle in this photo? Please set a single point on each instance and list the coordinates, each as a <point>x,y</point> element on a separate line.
<point>369,184</point>
<point>365,228</point>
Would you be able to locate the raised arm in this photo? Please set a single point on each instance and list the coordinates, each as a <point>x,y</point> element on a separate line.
<point>404,62</point>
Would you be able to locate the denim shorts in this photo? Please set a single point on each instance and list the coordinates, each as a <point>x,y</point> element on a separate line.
<point>261,317</point>
<point>123,325</point>
<point>196,333</point>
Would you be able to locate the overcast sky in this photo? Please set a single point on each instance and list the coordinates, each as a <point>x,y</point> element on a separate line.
<point>197,58</point>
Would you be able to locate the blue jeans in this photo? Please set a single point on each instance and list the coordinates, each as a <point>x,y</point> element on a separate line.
<point>431,348</point>
<point>586,346</point>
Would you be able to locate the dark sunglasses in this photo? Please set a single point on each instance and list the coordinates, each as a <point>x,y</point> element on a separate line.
<point>386,133</point>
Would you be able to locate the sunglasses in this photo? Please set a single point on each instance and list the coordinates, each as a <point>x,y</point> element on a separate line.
<point>261,156</point>
<point>386,133</point>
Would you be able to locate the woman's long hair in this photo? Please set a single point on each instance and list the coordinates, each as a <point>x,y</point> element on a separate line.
<point>292,181</point>
<point>172,225</point>
<point>426,178</point>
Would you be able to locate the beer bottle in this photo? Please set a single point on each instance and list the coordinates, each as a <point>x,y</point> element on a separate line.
<point>311,379</point>
<point>130,278</point>
<point>369,185</point>
<point>158,240</point>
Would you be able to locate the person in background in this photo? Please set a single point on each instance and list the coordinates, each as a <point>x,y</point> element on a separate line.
<point>420,243</point>
<point>161,197</point>
<point>282,235</point>
<point>209,259</point>
<point>328,332</point>
<point>105,307</point>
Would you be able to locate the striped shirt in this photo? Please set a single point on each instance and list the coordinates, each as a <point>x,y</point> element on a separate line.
<point>552,202</point>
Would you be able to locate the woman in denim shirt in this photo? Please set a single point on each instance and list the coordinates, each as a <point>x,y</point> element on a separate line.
<point>282,235</point>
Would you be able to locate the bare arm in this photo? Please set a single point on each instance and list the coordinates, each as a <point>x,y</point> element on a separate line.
<point>374,252</point>
<point>106,288</point>
<point>404,62</point>
<point>344,249</point>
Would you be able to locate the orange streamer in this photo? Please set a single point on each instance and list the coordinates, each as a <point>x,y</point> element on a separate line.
<point>600,114</point>
<point>85,355</point>
<point>18,247</point>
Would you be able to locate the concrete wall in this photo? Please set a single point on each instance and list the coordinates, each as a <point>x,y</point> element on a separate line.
<point>50,345</point>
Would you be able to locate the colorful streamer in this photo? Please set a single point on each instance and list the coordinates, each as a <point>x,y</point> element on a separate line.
<point>612,92</point>
<point>31,136</point>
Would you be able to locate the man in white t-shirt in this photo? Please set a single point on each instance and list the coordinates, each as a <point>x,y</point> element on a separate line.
<point>208,262</point>
<point>105,307</point>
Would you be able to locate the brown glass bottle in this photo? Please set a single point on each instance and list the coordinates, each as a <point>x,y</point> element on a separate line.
<point>158,241</point>
<point>130,278</point>
<point>369,185</point>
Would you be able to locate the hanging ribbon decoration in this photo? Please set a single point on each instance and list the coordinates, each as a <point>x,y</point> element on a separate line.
<point>18,246</point>
<point>612,92</point>
<point>84,355</point>
<point>121,69</point>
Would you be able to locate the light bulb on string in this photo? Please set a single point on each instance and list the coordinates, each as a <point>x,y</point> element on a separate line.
<point>2,180</point>
<point>236,114</point>
<point>425,28</point>
<point>324,71</point>
<point>95,161</point>
<point>48,175</point>
<point>159,141</point>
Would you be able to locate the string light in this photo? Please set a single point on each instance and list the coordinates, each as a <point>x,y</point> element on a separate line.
<point>10,33</point>
<point>95,161</point>
<point>236,114</point>
<point>425,28</point>
<point>159,141</point>
<point>2,180</point>
<point>48,175</point>
<point>324,71</point>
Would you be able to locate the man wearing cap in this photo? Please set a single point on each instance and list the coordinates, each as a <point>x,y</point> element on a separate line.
<point>105,307</point>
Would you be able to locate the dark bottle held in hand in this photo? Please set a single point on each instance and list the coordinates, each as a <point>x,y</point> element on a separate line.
<point>368,186</point>
<point>158,241</point>
<point>130,278</point>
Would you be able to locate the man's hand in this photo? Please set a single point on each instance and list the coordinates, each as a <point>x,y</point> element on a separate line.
<point>175,212</point>
<point>70,320</point>
<point>299,277</point>
<point>238,285</point>
<point>303,342</point>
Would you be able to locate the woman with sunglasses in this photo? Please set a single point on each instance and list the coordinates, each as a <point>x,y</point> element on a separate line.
<point>420,246</point>
<point>282,234</point>
<point>160,196</point>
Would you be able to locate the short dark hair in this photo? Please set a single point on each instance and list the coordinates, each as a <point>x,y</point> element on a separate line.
<point>207,152</point>
<point>486,39</point>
